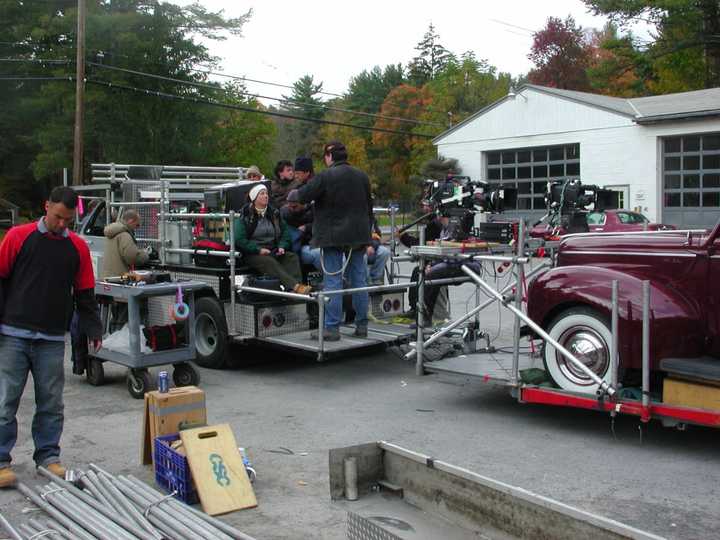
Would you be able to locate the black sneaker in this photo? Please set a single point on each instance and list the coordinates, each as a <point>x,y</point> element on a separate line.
<point>360,331</point>
<point>328,335</point>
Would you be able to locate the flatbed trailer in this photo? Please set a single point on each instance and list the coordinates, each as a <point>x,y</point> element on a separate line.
<point>280,320</point>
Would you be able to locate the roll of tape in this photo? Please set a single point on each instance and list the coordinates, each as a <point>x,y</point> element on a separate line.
<point>180,311</point>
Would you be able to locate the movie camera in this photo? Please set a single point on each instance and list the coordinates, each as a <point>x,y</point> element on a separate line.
<point>467,202</point>
<point>569,201</point>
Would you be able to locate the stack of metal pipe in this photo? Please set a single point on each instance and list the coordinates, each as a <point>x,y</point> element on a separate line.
<point>112,507</point>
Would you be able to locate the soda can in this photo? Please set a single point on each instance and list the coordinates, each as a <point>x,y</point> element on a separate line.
<point>163,382</point>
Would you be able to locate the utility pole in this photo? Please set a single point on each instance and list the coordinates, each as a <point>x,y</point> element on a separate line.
<point>79,95</point>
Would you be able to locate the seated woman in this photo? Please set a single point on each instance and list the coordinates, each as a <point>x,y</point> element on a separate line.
<point>263,238</point>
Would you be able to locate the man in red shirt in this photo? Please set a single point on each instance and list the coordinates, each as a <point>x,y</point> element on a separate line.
<point>46,273</point>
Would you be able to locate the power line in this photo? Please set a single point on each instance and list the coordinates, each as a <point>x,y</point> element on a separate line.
<point>238,77</point>
<point>68,78</point>
<point>282,100</point>
<point>216,103</point>
<point>37,60</point>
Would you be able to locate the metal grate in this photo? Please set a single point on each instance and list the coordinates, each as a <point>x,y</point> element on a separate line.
<point>360,528</point>
<point>159,310</point>
<point>269,320</point>
<point>387,305</point>
<point>213,281</point>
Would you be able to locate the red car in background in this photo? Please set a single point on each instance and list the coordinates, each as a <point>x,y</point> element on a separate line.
<point>606,221</point>
<point>622,220</point>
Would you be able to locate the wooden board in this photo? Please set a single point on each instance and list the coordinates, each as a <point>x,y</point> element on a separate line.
<point>217,469</point>
<point>167,413</point>
<point>690,394</point>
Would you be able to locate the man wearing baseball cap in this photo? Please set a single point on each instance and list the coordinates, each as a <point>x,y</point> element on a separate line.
<point>343,217</point>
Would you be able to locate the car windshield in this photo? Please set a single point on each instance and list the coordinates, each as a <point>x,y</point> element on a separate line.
<point>595,218</point>
<point>631,217</point>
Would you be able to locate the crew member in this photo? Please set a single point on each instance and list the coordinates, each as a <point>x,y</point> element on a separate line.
<point>377,256</point>
<point>253,173</point>
<point>304,170</point>
<point>46,270</point>
<point>121,250</point>
<point>299,218</point>
<point>343,217</point>
<point>283,183</point>
<point>439,270</point>
<point>262,236</point>
<point>436,227</point>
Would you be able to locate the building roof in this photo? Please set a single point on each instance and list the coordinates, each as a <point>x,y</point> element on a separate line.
<point>643,110</point>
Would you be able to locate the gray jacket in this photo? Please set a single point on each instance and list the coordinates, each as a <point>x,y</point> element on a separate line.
<point>121,251</point>
<point>343,206</point>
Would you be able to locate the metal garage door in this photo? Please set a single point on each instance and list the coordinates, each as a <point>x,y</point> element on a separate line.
<point>529,170</point>
<point>691,180</point>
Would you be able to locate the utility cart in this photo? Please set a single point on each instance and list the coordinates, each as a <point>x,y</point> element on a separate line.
<point>153,303</point>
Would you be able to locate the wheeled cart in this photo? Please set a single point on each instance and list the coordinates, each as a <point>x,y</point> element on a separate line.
<point>155,302</point>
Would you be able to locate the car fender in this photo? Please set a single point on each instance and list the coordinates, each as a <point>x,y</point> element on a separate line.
<point>676,326</point>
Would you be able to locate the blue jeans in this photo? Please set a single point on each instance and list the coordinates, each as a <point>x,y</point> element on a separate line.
<point>356,274</point>
<point>310,255</point>
<point>376,264</point>
<point>44,359</point>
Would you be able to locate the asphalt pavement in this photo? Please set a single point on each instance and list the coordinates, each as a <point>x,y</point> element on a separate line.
<point>666,482</point>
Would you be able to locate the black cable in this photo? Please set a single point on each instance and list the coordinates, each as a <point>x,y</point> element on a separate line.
<point>282,100</point>
<point>237,77</point>
<point>250,109</point>
<point>37,60</point>
<point>67,78</point>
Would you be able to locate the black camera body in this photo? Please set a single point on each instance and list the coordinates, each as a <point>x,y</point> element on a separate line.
<point>460,198</point>
<point>568,201</point>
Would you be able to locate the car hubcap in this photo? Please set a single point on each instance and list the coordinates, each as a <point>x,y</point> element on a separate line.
<point>206,334</point>
<point>590,348</point>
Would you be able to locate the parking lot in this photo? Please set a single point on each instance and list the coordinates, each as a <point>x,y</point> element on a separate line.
<point>289,411</point>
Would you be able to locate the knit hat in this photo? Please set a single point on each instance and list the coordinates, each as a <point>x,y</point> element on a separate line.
<point>304,164</point>
<point>293,196</point>
<point>252,170</point>
<point>255,191</point>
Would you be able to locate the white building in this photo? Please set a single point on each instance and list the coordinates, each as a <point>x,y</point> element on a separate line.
<point>662,152</point>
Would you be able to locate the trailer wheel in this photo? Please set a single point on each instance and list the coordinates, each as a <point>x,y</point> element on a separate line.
<point>586,334</point>
<point>185,375</point>
<point>139,381</point>
<point>211,334</point>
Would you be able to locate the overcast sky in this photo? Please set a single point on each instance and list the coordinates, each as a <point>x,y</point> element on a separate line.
<point>333,41</point>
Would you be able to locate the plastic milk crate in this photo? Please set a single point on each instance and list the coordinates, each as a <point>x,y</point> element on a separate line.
<point>172,471</point>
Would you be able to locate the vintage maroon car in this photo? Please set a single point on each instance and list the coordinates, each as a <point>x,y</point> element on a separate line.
<point>572,301</point>
<point>606,221</point>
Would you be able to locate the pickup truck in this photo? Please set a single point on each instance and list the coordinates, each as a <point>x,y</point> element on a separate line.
<point>572,302</point>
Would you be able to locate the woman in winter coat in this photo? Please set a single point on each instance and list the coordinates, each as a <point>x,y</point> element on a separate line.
<point>263,238</point>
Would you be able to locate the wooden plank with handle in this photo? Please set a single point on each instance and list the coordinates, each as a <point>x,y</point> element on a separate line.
<point>217,468</point>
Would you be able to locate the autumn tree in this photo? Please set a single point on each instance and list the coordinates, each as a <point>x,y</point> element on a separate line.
<point>685,46</point>
<point>561,55</point>
<point>403,102</point>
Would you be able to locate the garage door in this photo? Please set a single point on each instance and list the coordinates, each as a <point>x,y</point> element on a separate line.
<point>691,180</point>
<point>530,169</point>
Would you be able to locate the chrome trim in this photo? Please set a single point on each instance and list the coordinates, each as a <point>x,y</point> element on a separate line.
<point>634,233</point>
<point>629,253</point>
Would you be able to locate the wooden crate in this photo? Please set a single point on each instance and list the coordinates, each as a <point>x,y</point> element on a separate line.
<point>691,394</point>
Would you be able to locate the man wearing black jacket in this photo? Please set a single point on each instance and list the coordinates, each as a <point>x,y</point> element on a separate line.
<point>343,218</point>
<point>46,271</point>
